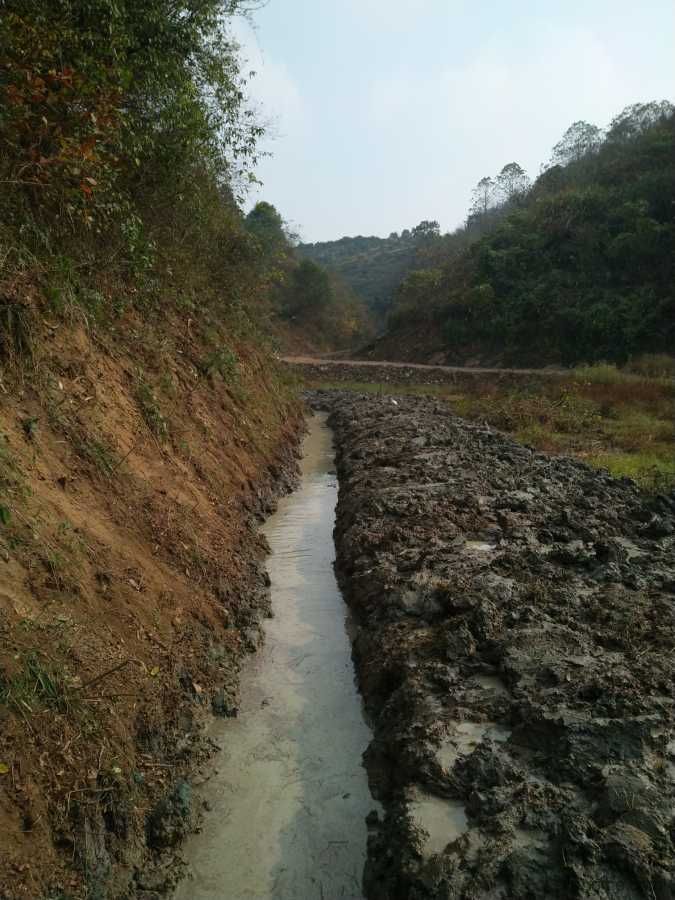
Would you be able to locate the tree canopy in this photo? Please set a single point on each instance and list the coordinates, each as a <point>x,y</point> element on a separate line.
<point>577,266</point>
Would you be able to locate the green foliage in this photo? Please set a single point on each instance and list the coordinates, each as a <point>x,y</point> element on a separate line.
<point>126,144</point>
<point>225,362</point>
<point>150,409</point>
<point>97,93</point>
<point>36,683</point>
<point>581,268</point>
<point>373,267</point>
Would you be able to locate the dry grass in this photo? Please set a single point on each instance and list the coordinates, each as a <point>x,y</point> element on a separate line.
<point>613,419</point>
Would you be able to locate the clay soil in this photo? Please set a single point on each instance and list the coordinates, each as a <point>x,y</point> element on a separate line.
<point>135,468</point>
<point>515,651</point>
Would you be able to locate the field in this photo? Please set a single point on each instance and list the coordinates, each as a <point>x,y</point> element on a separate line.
<point>619,420</point>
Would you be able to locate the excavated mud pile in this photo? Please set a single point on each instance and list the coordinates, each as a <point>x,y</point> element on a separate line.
<point>515,650</point>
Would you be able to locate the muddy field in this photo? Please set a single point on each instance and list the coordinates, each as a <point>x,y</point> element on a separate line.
<point>515,652</point>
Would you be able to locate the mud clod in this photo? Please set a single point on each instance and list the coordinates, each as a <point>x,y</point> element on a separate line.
<point>514,647</point>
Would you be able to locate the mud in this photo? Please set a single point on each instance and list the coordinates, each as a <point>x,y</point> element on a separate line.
<point>515,651</point>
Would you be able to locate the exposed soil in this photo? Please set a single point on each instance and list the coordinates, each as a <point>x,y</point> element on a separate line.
<point>515,651</point>
<point>132,485</point>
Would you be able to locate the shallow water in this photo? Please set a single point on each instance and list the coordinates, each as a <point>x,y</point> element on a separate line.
<point>441,821</point>
<point>464,737</point>
<point>289,798</point>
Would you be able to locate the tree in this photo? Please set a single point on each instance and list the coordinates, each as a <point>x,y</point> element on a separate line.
<point>482,198</point>
<point>580,139</point>
<point>309,290</point>
<point>637,118</point>
<point>512,182</point>
<point>265,223</point>
<point>426,231</point>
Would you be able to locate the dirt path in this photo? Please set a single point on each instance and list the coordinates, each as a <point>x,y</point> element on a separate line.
<point>373,363</point>
<point>515,652</point>
<point>322,369</point>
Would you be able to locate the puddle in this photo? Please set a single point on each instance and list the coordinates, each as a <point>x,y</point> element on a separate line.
<point>631,549</point>
<point>289,798</point>
<point>442,821</point>
<point>465,737</point>
<point>479,547</point>
<point>491,683</point>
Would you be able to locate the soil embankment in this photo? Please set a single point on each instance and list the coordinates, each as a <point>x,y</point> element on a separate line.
<point>515,652</point>
<point>134,474</point>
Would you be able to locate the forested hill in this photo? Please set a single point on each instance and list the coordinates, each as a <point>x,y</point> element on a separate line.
<point>578,266</point>
<point>373,267</point>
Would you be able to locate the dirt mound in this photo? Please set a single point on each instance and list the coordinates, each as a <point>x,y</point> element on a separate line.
<point>134,469</point>
<point>515,651</point>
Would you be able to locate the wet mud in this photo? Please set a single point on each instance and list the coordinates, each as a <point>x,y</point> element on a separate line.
<point>514,647</point>
<point>285,809</point>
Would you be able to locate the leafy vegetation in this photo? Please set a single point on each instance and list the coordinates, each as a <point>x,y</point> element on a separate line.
<point>373,267</point>
<point>36,681</point>
<point>303,293</point>
<point>576,267</point>
<point>127,147</point>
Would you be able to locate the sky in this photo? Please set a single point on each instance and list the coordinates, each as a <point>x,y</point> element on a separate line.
<point>382,113</point>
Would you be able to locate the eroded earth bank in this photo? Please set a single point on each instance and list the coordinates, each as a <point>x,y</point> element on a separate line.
<point>515,651</point>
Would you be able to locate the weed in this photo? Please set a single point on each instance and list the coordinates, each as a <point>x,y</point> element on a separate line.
<point>17,327</point>
<point>602,373</point>
<point>653,472</point>
<point>223,361</point>
<point>151,411</point>
<point>97,453</point>
<point>167,385</point>
<point>36,682</point>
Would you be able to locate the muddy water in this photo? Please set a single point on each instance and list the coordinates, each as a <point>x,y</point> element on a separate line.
<point>289,798</point>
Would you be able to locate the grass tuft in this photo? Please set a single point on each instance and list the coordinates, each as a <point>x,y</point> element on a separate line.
<point>36,682</point>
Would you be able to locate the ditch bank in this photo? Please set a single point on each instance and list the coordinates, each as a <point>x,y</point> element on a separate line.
<point>132,487</point>
<point>515,651</point>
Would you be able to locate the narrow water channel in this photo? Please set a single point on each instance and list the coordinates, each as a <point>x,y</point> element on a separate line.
<point>289,797</point>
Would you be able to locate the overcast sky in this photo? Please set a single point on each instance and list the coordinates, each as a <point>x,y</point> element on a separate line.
<point>387,112</point>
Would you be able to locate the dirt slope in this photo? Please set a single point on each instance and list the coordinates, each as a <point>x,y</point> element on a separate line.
<point>133,471</point>
<point>515,651</point>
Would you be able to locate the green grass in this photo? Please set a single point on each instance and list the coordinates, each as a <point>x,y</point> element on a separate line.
<point>37,682</point>
<point>97,453</point>
<point>150,410</point>
<point>652,471</point>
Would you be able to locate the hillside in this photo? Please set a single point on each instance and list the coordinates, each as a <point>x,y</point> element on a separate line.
<point>144,431</point>
<point>373,267</point>
<point>577,267</point>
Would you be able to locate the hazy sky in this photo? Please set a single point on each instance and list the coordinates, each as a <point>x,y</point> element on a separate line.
<point>387,112</point>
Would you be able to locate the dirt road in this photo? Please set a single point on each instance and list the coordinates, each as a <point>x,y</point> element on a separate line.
<point>401,373</point>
